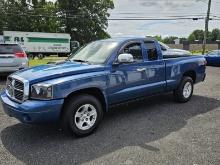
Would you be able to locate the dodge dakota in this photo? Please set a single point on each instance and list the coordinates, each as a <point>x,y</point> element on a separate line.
<point>77,92</point>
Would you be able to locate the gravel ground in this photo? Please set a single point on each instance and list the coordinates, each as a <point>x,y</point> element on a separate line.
<point>152,131</point>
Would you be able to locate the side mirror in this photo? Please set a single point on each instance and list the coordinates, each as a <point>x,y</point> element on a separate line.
<point>125,58</point>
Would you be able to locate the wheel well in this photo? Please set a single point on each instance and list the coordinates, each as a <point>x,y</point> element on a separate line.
<point>91,91</point>
<point>191,74</point>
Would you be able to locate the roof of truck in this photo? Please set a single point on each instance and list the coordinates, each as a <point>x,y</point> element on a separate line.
<point>123,39</point>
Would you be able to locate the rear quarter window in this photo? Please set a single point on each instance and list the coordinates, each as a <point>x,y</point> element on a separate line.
<point>151,50</point>
<point>8,49</point>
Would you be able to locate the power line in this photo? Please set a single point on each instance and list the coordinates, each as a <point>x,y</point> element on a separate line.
<point>153,19</point>
<point>119,13</point>
<point>122,19</point>
<point>133,18</point>
<point>90,14</point>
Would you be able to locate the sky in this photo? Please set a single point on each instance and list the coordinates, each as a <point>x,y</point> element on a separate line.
<point>158,9</point>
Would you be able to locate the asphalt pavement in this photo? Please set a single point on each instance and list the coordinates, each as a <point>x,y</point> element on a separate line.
<point>156,130</point>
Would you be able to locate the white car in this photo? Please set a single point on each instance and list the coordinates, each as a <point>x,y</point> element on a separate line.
<point>166,50</point>
<point>12,58</point>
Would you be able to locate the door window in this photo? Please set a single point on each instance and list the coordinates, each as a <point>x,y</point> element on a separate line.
<point>151,51</point>
<point>135,50</point>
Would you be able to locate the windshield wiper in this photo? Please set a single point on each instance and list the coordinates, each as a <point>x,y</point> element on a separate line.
<point>68,60</point>
<point>81,61</point>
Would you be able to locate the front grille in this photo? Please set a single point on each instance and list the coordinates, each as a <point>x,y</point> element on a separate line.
<point>15,89</point>
<point>18,95</point>
<point>19,85</point>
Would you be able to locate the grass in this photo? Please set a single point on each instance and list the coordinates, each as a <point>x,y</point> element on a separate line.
<point>36,61</point>
<point>196,52</point>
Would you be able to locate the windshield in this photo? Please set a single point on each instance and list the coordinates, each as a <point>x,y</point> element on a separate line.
<point>214,52</point>
<point>96,52</point>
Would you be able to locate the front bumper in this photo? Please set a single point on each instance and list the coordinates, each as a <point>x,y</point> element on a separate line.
<point>33,111</point>
<point>23,64</point>
<point>11,69</point>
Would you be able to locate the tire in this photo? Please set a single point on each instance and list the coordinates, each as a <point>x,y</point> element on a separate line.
<point>81,115</point>
<point>185,90</point>
<point>31,56</point>
<point>62,55</point>
<point>40,56</point>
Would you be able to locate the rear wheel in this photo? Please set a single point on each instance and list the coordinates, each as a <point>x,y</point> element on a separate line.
<point>81,115</point>
<point>185,90</point>
<point>40,56</point>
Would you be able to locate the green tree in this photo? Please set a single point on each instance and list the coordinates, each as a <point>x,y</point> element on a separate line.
<point>215,34</point>
<point>46,19</point>
<point>183,39</point>
<point>85,20</point>
<point>14,18</point>
<point>196,35</point>
<point>169,40</point>
<point>21,15</point>
<point>2,16</point>
<point>199,35</point>
<point>158,38</point>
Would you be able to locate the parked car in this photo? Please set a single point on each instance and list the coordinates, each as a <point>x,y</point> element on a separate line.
<point>12,58</point>
<point>213,58</point>
<point>166,50</point>
<point>78,91</point>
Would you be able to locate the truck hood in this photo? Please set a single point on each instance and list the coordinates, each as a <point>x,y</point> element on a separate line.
<point>51,71</point>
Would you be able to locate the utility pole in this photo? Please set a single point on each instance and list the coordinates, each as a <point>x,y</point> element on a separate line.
<point>206,27</point>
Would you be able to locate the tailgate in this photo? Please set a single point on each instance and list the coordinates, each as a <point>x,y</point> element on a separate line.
<point>8,60</point>
<point>7,55</point>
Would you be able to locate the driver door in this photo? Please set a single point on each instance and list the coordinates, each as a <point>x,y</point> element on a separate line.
<point>126,79</point>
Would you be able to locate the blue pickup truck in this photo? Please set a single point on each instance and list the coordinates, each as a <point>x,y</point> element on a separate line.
<point>77,92</point>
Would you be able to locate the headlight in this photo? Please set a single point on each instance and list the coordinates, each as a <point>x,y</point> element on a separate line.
<point>42,91</point>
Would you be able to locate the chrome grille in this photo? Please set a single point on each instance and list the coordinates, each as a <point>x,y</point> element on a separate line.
<point>15,89</point>
<point>19,85</point>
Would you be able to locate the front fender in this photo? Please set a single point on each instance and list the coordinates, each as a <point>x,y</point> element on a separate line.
<point>74,83</point>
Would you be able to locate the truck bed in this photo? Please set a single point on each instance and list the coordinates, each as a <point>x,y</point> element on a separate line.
<point>177,56</point>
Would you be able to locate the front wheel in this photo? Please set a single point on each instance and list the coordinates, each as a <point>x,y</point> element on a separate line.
<point>185,90</point>
<point>81,115</point>
<point>31,56</point>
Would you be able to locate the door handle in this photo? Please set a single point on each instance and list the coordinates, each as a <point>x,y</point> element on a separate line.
<point>141,69</point>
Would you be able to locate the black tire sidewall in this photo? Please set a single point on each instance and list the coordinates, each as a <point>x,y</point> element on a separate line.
<point>71,109</point>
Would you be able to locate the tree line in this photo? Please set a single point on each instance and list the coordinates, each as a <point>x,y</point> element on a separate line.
<point>84,20</point>
<point>196,35</point>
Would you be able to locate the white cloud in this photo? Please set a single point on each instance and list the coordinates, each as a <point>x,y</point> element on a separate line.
<point>158,9</point>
